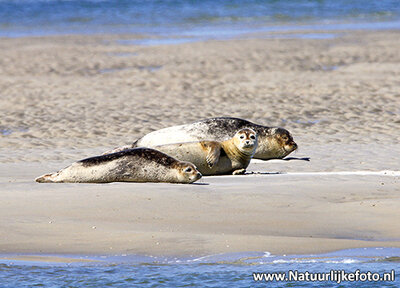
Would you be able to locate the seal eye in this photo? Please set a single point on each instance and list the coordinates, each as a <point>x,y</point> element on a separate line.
<point>188,170</point>
<point>252,137</point>
<point>241,137</point>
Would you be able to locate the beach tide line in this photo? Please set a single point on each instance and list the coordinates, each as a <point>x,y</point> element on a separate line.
<point>388,173</point>
<point>350,173</point>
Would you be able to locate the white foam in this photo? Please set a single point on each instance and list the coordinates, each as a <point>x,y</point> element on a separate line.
<point>267,254</point>
<point>344,261</point>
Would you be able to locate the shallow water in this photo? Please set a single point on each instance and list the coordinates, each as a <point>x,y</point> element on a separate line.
<point>41,17</point>
<point>222,270</point>
<point>172,275</point>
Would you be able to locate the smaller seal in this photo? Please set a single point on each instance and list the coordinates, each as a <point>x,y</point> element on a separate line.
<point>214,158</point>
<point>131,165</point>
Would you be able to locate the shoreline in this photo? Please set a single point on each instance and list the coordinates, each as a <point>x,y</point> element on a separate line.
<point>318,30</point>
<point>222,31</point>
<point>354,255</point>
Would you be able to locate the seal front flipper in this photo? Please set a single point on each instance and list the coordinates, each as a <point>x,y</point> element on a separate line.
<point>239,172</point>
<point>213,150</point>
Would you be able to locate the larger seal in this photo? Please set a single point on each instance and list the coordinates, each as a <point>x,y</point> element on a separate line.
<point>273,142</point>
<point>212,158</point>
<point>131,165</point>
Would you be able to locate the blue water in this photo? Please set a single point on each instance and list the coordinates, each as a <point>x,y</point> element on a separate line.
<point>41,17</point>
<point>226,270</point>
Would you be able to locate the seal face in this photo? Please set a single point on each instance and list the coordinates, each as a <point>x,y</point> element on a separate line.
<point>130,165</point>
<point>273,143</point>
<point>276,145</point>
<point>213,157</point>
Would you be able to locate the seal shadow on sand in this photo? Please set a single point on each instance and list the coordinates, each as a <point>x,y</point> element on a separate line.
<point>264,173</point>
<point>287,159</point>
<point>296,158</point>
<point>278,173</point>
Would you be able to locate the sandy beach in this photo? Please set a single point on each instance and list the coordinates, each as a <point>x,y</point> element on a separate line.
<point>64,98</point>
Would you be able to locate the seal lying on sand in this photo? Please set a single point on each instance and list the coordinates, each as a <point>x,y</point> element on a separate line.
<point>273,143</point>
<point>131,165</point>
<point>211,157</point>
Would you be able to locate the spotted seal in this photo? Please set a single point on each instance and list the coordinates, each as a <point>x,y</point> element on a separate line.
<point>130,165</point>
<point>212,157</point>
<point>273,142</point>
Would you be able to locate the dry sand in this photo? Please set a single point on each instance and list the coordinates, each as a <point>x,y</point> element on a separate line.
<point>68,97</point>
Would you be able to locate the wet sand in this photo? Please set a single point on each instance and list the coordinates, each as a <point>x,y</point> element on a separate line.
<point>64,98</point>
<point>282,214</point>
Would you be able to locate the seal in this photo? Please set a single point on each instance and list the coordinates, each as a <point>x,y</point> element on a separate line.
<point>130,165</point>
<point>214,158</point>
<point>273,142</point>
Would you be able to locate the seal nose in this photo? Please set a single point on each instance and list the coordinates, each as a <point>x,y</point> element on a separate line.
<point>198,175</point>
<point>247,142</point>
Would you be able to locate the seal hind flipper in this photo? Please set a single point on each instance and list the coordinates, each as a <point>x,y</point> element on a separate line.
<point>122,148</point>
<point>118,149</point>
<point>213,150</point>
<point>135,144</point>
<point>46,178</point>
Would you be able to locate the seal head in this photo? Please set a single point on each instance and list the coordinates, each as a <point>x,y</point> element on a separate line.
<point>246,140</point>
<point>278,144</point>
<point>187,172</point>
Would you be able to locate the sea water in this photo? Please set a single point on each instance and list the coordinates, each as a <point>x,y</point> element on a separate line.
<point>221,270</point>
<point>188,17</point>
